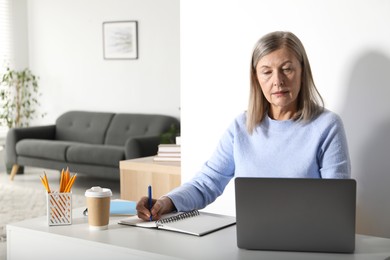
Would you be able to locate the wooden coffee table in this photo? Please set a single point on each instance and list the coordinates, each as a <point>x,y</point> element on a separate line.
<point>137,174</point>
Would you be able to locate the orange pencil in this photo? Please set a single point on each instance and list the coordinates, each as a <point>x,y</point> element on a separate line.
<point>67,175</point>
<point>44,184</point>
<point>62,180</point>
<point>70,184</point>
<point>47,183</point>
<point>72,181</point>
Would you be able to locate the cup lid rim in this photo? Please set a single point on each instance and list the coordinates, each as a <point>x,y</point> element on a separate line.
<point>101,193</point>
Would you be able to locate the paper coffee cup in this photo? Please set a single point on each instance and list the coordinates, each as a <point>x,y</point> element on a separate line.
<point>98,203</point>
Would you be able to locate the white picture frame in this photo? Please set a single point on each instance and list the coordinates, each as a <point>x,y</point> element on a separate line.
<point>120,40</point>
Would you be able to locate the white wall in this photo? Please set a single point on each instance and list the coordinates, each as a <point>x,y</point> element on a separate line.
<point>348,44</point>
<point>19,42</point>
<point>66,51</point>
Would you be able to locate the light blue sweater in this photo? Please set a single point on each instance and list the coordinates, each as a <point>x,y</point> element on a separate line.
<point>275,149</point>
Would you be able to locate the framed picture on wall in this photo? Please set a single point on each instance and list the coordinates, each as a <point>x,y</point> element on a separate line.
<point>120,40</point>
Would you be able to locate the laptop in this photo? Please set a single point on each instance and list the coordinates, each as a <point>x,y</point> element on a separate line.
<point>288,214</point>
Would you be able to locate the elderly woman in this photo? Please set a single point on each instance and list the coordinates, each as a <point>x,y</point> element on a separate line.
<point>286,131</point>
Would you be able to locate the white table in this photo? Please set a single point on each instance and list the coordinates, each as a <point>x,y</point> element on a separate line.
<point>34,239</point>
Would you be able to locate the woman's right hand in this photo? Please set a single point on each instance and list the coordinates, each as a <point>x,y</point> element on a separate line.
<point>161,206</point>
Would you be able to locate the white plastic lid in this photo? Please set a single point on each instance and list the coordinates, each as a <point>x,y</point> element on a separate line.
<point>98,192</point>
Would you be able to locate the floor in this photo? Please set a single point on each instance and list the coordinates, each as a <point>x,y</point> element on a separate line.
<point>83,182</point>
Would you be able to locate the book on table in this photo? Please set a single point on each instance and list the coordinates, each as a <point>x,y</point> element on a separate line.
<point>122,207</point>
<point>168,153</point>
<point>167,158</point>
<point>173,148</point>
<point>194,222</point>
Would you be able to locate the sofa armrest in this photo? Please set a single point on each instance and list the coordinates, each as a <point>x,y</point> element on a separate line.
<point>142,146</point>
<point>14,135</point>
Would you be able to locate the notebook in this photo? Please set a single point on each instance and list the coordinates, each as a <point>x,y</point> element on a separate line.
<point>315,215</point>
<point>194,222</point>
<point>119,207</point>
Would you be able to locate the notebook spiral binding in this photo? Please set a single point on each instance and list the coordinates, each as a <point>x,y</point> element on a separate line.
<point>179,217</point>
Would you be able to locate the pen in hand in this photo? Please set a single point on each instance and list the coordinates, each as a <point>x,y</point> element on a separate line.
<point>150,201</point>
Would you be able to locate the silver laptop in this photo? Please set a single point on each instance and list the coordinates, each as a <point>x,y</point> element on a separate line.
<point>315,215</point>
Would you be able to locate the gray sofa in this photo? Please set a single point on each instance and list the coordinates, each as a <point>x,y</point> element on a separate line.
<point>90,143</point>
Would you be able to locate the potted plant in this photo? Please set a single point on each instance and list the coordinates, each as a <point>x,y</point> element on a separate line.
<point>19,98</point>
<point>19,93</point>
<point>169,137</point>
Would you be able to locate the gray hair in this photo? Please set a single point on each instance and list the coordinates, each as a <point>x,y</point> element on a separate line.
<point>310,102</point>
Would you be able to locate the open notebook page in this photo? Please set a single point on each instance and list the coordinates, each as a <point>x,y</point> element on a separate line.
<point>198,225</point>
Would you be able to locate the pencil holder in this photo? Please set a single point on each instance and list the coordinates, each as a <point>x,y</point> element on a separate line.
<point>59,208</point>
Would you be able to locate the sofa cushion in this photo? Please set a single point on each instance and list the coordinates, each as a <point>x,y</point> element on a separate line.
<point>124,126</point>
<point>82,126</point>
<point>44,149</point>
<point>106,155</point>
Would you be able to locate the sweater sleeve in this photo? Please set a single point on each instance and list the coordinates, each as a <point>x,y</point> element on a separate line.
<point>333,155</point>
<point>211,180</point>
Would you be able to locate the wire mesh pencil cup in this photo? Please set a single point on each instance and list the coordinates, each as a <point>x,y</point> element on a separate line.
<point>59,208</point>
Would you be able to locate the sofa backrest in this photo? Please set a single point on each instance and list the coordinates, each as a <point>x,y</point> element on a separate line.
<point>83,126</point>
<point>124,126</point>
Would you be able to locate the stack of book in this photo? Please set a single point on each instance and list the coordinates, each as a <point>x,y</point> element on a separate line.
<point>168,152</point>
